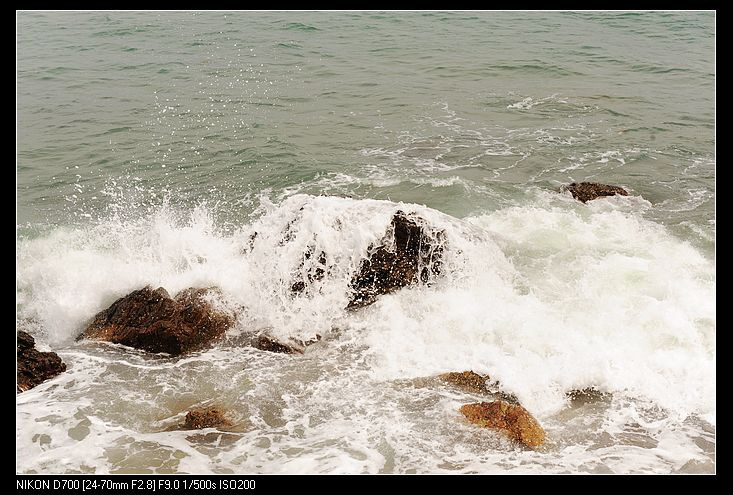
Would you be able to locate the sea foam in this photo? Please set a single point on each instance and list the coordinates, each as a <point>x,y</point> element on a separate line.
<point>546,297</point>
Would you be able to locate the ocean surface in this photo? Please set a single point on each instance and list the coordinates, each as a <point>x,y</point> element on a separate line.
<point>152,145</point>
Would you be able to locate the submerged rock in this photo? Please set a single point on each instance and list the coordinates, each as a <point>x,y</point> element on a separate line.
<point>409,253</point>
<point>511,418</point>
<point>477,384</point>
<point>587,191</point>
<point>588,395</point>
<point>209,417</point>
<point>150,320</point>
<point>467,380</point>
<point>266,343</point>
<point>34,367</point>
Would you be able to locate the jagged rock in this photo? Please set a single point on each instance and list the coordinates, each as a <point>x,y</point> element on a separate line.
<point>311,268</point>
<point>150,320</point>
<point>315,271</point>
<point>287,233</point>
<point>587,191</point>
<point>511,418</point>
<point>466,380</point>
<point>34,367</point>
<point>209,417</point>
<point>409,253</point>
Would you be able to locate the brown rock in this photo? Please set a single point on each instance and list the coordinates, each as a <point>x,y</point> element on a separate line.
<point>586,191</point>
<point>150,320</point>
<point>466,380</point>
<point>408,253</point>
<point>514,419</point>
<point>34,367</point>
<point>477,384</point>
<point>209,417</point>
<point>266,343</point>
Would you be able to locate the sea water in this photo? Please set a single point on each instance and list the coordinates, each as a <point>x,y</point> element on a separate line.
<point>152,146</point>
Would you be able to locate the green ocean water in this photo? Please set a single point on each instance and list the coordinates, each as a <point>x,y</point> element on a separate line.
<point>152,146</point>
<point>460,111</point>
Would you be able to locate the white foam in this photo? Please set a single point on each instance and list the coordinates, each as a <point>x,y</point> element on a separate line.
<point>529,102</point>
<point>547,297</point>
<point>587,296</point>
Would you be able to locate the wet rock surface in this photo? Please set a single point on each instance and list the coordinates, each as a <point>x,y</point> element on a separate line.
<point>34,367</point>
<point>510,418</point>
<point>587,191</point>
<point>469,381</point>
<point>466,380</point>
<point>267,343</point>
<point>209,417</point>
<point>409,253</point>
<point>151,320</point>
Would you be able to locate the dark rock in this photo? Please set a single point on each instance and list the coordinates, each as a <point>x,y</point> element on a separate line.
<point>287,233</point>
<point>35,367</point>
<point>511,418</point>
<point>250,245</point>
<point>409,253</point>
<point>586,191</point>
<point>252,239</point>
<point>265,343</point>
<point>150,320</point>
<point>312,269</point>
<point>209,417</point>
